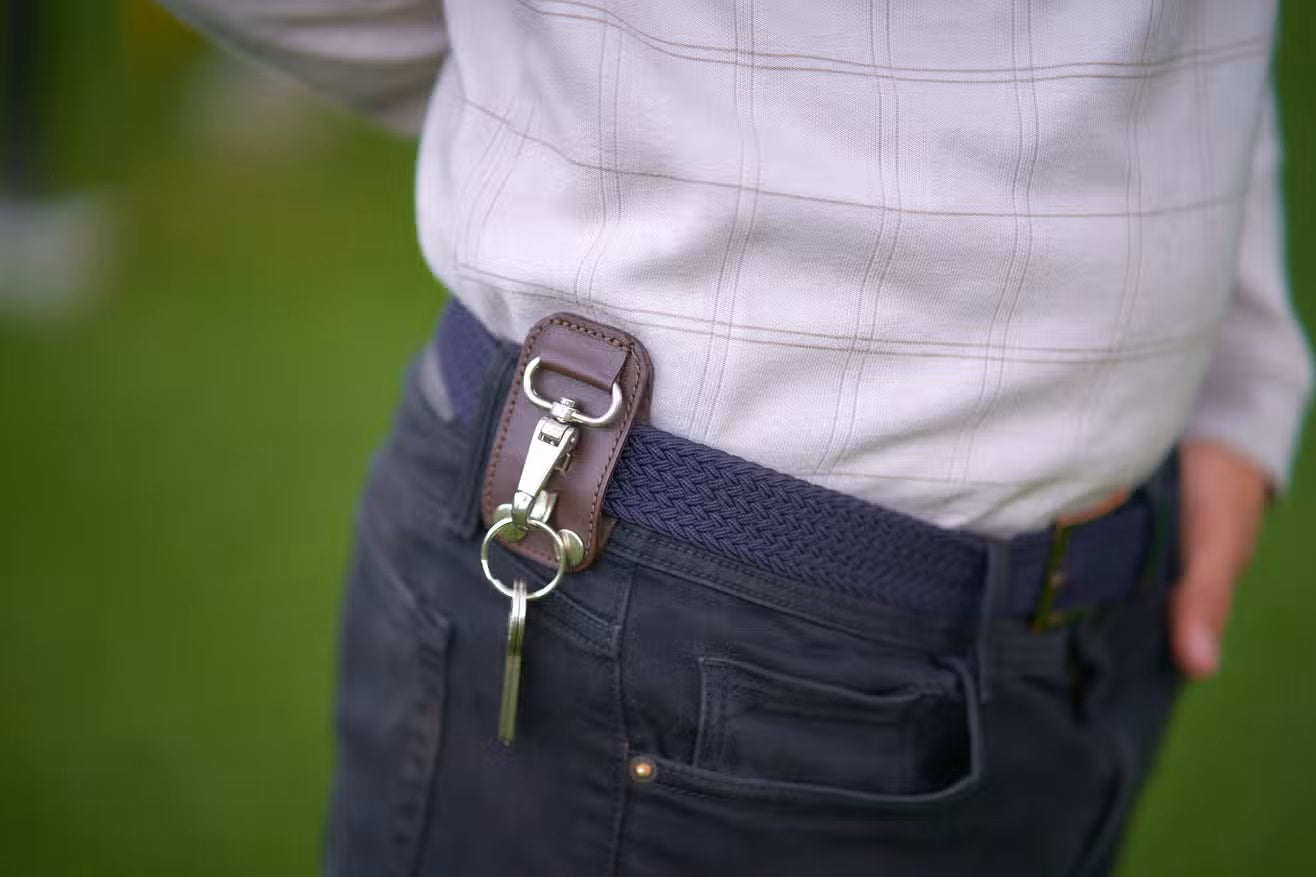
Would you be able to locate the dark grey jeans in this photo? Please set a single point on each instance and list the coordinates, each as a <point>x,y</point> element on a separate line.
<point>786,730</point>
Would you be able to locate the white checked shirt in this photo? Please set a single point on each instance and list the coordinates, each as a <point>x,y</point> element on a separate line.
<point>982,262</point>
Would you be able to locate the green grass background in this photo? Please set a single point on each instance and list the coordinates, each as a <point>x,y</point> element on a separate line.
<point>180,464</point>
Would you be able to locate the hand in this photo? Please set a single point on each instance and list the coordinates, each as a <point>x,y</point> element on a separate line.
<point>1223,495</point>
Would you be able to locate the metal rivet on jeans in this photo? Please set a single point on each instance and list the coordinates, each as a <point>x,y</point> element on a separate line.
<point>643,770</point>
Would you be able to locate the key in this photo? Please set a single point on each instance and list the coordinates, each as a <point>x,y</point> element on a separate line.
<point>512,664</point>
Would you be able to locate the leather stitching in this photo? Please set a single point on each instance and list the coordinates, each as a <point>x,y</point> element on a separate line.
<point>635,365</point>
<point>597,500</point>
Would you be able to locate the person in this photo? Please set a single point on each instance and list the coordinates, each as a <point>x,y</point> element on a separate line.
<point>952,308</point>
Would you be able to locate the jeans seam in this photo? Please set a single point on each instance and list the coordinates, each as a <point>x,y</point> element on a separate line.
<point>621,606</point>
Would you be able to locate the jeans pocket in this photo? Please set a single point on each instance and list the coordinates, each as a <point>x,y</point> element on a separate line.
<point>389,721</point>
<point>769,735</point>
<point>913,739</point>
<point>794,776</point>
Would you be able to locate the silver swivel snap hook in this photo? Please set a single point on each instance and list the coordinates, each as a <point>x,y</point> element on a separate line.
<point>551,446</point>
<point>550,451</point>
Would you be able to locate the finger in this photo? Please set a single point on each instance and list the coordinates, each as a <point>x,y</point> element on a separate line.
<point>1199,610</point>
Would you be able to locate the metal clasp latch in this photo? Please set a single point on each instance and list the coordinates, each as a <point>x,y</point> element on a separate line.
<point>550,450</point>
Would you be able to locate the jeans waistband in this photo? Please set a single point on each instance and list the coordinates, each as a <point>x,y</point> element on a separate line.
<point>786,526</point>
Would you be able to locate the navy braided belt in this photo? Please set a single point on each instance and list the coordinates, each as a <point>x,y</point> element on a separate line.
<point>783,525</point>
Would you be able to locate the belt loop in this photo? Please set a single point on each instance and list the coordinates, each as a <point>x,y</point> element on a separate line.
<point>487,414</point>
<point>994,590</point>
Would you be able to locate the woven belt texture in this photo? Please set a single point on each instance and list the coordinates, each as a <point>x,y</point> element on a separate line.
<point>728,505</point>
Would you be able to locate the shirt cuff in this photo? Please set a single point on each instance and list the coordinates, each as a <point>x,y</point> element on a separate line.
<point>1259,416</point>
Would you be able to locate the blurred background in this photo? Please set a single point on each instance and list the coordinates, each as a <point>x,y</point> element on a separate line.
<point>209,288</point>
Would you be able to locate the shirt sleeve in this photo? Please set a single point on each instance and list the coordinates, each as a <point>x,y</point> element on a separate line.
<point>1259,377</point>
<point>380,57</point>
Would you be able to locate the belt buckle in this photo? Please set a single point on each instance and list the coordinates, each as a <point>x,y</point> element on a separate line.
<point>1045,614</point>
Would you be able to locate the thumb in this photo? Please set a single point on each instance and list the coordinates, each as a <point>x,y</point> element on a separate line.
<point>1199,608</point>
